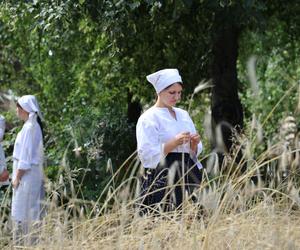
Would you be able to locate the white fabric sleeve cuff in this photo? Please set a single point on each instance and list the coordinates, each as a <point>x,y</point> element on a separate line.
<point>200,148</point>
<point>151,159</point>
<point>24,165</point>
<point>162,152</point>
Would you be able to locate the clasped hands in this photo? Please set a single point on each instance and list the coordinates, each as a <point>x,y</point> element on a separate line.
<point>186,137</point>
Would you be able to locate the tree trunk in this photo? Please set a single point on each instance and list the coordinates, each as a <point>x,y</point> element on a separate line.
<point>227,111</point>
<point>134,109</point>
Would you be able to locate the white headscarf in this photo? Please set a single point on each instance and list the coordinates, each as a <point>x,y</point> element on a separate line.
<point>164,78</point>
<point>30,105</point>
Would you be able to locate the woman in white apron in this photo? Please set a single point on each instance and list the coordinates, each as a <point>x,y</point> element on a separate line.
<point>3,171</point>
<point>27,171</point>
<point>167,139</point>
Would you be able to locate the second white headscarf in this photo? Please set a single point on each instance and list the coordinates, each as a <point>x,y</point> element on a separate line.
<point>29,104</point>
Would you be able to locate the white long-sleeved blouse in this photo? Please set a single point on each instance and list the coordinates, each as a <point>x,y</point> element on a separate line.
<point>155,127</point>
<point>28,148</point>
<point>2,127</point>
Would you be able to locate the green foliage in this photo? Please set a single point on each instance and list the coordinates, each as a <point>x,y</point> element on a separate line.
<point>55,51</point>
<point>277,74</point>
<point>83,58</point>
<point>93,138</point>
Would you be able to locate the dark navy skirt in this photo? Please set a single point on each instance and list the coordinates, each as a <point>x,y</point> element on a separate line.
<point>167,184</point>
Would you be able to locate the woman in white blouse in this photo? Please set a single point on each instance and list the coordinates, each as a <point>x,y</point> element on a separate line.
<point>27,170</point>
<point>166,137</point>
<point>3,171</point>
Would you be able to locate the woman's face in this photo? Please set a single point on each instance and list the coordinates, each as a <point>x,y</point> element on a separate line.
<point>171,95</point>
<point>22,114</point>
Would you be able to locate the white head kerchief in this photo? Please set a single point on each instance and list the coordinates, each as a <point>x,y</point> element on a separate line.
<point>164,78</point>
<point>30,105</point>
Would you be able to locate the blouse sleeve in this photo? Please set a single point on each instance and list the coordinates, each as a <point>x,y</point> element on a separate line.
<point>200,145</point>
<point>150,149</point>
<point>2,127</point>
<point>26,148</point>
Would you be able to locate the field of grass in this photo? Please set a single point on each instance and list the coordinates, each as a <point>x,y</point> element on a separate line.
<point>233,211</point>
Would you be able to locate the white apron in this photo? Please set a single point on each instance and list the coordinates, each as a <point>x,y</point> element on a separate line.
<point>26,200</point>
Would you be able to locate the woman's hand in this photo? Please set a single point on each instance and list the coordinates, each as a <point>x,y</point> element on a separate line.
<point>4,175</point>
<point>182,138</point>
<point>20,173</point>
<point>179,139</point>
<point>16,183</point>
<point>195,139</point>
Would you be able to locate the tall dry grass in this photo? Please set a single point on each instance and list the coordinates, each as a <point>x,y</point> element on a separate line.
<point>232,212</point>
